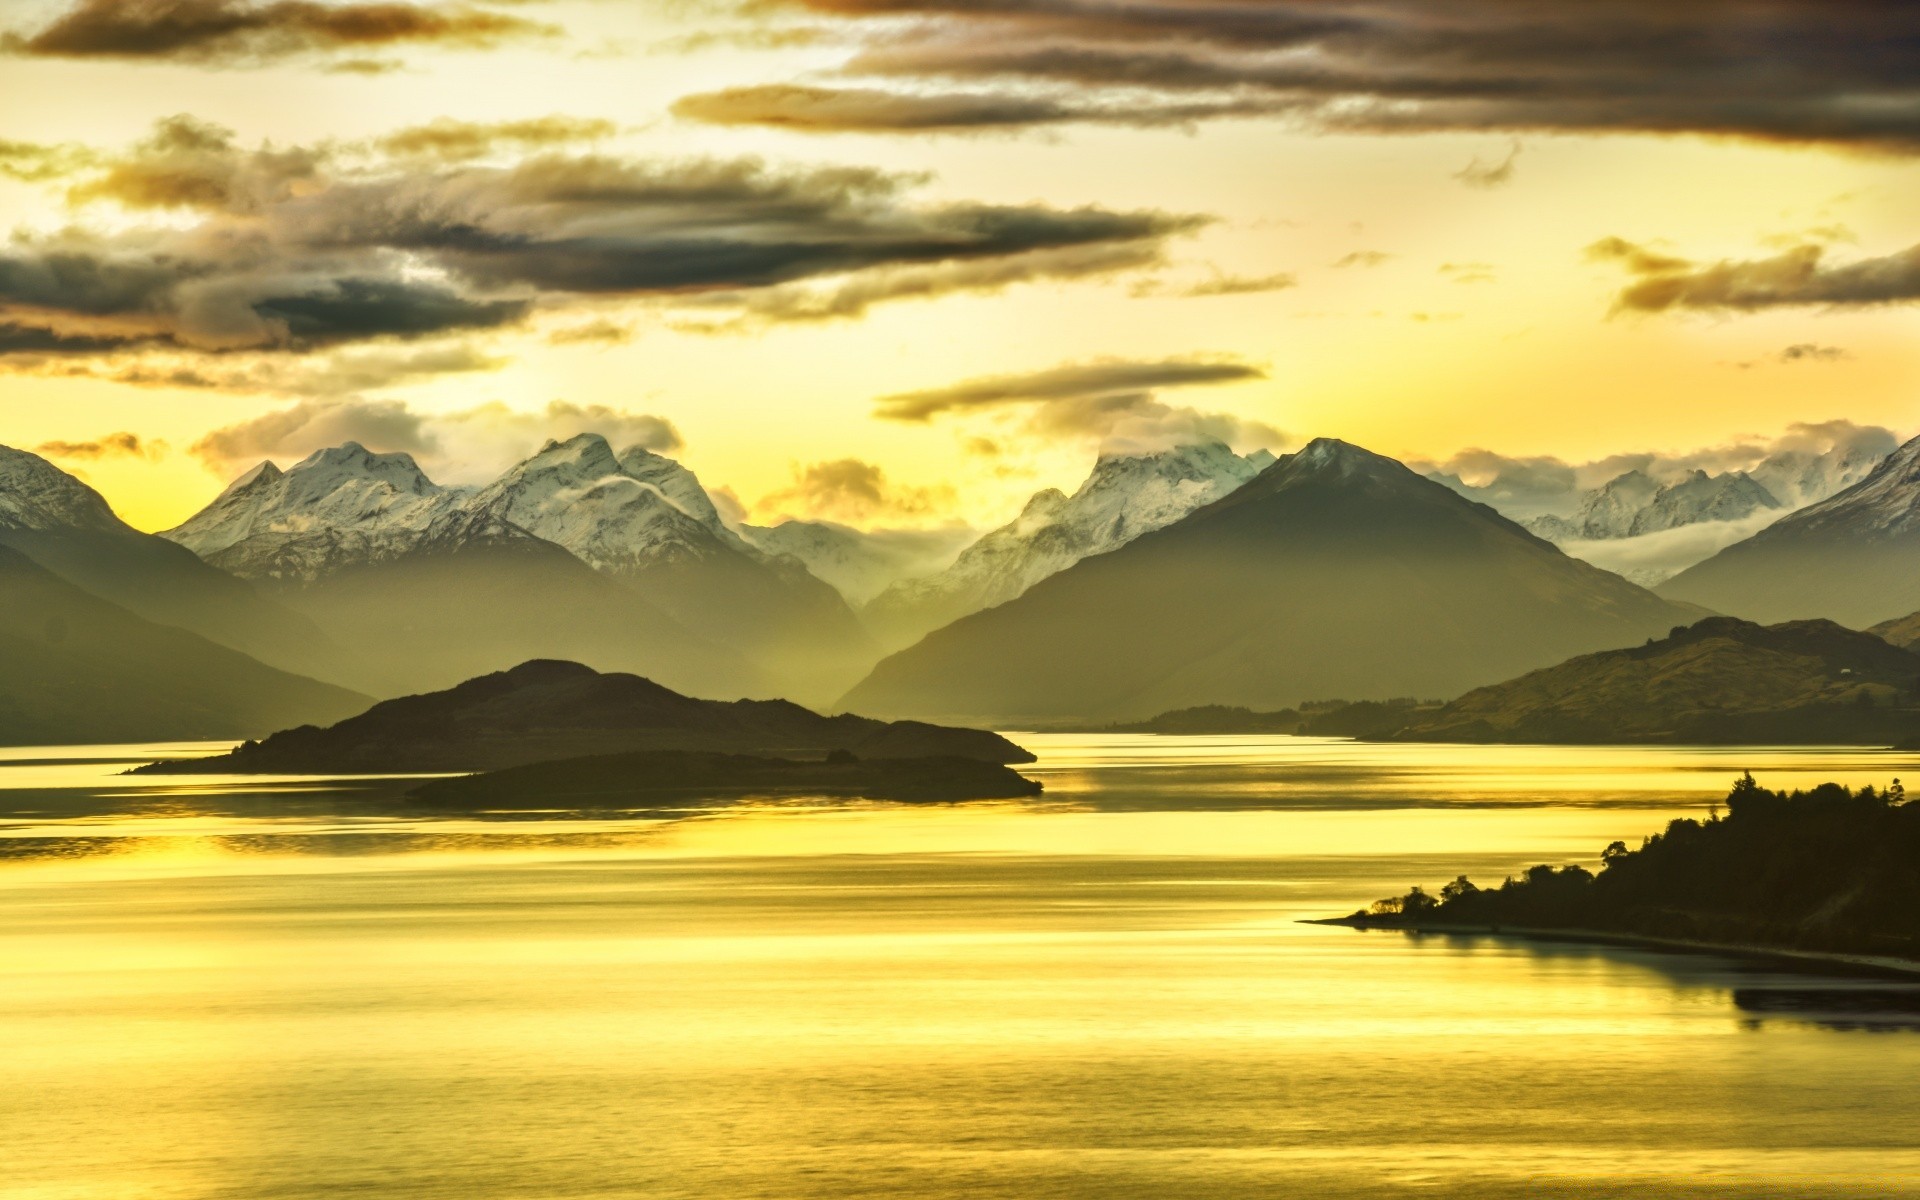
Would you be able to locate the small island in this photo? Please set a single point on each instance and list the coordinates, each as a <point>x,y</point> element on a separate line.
<point>659,777</point>
<point>1828,872</point>
<point>542,711</point>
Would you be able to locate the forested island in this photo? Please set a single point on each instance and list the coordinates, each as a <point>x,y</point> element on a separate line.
<point>1827,871</point>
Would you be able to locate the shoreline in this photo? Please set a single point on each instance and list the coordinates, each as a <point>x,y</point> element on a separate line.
<point>1872,963</point>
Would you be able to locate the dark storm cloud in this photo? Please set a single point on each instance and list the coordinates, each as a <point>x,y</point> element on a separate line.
<point>1117,382</point>
<point>1800,276</point>
<point>298,249</point>
<point>251,32</point>
<point>1844,72</point>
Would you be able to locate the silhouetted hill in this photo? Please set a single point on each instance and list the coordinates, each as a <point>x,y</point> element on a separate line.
<point>547,710</point>
<point>1721,680</point>
<point>661,776</point>
<point>1334,572</point>
<point>77,669</point>
<point>1851,558</point>
<point>1827,870</point>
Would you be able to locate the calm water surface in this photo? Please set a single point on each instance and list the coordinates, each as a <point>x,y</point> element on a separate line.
<point>238,988</point>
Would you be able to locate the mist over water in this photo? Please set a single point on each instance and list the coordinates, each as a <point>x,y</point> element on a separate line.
<point>238,988</point>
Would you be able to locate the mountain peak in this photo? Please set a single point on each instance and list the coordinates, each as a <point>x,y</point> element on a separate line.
<point>35,494</point>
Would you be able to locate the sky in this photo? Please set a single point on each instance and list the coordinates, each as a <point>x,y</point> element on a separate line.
<point>904,262</point>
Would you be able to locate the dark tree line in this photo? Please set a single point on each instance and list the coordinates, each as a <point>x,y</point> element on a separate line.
<point>1824,869</point>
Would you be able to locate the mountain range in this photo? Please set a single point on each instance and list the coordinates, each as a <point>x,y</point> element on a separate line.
<point>1648,524</point>
<point>1850,558</point>
<point>1334,572</point>
<point>620,560</point>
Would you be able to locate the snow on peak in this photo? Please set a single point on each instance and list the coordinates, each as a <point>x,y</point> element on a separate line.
<point>1124,497</point>
<point>35,494</point>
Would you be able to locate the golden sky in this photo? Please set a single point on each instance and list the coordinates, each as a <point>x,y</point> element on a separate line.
<point>750,226</point>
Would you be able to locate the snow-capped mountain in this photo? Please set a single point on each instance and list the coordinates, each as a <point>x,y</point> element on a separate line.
<point>336,508</point>
<point>1124,497</point>
<point>35,494</point>
<point>1850,558</point>
<point>1633,504</point>
<point>578,494</point>
<point>1733,496</point>
<point>859,563</point>
<point>1798,478</point>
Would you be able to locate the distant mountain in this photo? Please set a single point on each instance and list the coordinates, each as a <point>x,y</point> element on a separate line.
<point>75,668</point>
<point>1852,558</point>
<point>1720,680</point>
<point>1335,572</point>
<point>542,711</point>
<point>68,528</point>
<point>1632,504</point>
<point>1903,632</point>
<point>1124,497</point>
<point>1798,478</point>
<point>859,563</point>
<point>363,541</point>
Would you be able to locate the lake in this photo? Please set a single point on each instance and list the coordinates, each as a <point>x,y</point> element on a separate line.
<point>236,988</point>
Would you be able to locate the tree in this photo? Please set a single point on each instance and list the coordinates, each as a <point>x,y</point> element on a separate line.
<point>1459,889</point>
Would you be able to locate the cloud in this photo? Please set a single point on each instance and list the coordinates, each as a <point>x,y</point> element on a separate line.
<point>1219,285</point>
<point>1095,381</point>
<point>448,140</point>
<point>1362,258</point>
<point>113,445</point>
<point>801,108</point>
<point>255,32</point>
<point>297,250</point>
<point>850,489</point>
<point>1796,71</point>
<point>1111,401</point>
<point>1468,272</point>
<point>468,445</point>
<point>1809,352</point>
<point>1489,175</point>
<point>600,332</point>
<point>1797,277</point>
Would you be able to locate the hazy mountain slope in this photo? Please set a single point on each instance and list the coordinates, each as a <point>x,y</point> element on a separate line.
<point>77,669</point>
<point>68,528</point>
<point>1852,558</point>
<point>1335,572</point>
<point>1732,496</point>
<point>1719,680</point>
<point>860,564</point>
<point>1903,632</point>
<point>476,593</point>
<point>1124,497</point>
<point>547,710</point>
<point>577,495</point>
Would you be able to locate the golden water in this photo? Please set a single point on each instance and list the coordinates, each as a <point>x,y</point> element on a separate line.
<point>241,989</point>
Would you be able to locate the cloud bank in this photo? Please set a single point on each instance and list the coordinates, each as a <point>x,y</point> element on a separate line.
<point>1798,277</point>
<point>304,249</point>
<point>1836,72</point>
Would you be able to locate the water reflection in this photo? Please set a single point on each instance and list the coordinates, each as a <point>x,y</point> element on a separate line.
<point>305,990</point>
